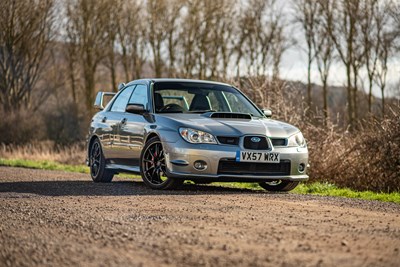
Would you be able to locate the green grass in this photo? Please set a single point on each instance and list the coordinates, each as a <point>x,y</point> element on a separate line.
<point>322,189</point>
<point>43,165</point>
<point>327,189</point>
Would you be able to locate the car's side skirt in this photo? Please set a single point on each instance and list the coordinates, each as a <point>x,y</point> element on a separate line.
<point>122,168</point>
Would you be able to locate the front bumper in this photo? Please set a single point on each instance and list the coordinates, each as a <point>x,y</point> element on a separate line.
<point>181,156</point>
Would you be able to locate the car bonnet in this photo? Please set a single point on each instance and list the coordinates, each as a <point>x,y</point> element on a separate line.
<point>233,127</point>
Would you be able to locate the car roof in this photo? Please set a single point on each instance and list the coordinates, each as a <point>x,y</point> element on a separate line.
<point>155,80</point>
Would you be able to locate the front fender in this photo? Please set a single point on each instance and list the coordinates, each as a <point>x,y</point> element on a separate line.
<point>165,134</point>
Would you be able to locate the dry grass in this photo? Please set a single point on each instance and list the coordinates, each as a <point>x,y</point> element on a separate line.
<point>45,151</point>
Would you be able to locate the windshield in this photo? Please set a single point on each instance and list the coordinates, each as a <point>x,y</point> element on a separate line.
<point>191,97</point>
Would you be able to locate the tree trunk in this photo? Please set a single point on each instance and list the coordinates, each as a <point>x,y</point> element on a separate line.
<point>355,95</point>
<point>113,78</point>
<point>72,78</point>
<point>112,72</point>
<point>325,96</point>
<point>124,59</point>
<point>309,101</point>
<point>370,95</point>
<point>89,90</point>
<point>349,97</point>
<point>383,101</point>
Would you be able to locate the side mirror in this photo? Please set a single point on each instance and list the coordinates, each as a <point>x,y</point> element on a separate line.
<point>100,103</point>
<point>135,108</point>
<point>267,113</point>
<point>120,86</point>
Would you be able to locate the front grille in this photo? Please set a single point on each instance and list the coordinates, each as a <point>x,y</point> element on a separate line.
<point>230,166</point>
<point>228,140</point>
<point>261,145</point>
<point>278,141</point>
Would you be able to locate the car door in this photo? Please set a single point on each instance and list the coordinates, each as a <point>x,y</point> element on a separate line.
<point>108,122</point>
<point>114,117</point>
<point>131,129</point>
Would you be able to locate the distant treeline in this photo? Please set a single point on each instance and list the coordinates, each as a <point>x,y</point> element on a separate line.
<point>66,49</point>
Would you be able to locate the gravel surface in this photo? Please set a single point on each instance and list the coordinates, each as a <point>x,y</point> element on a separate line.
<point>52,218</point>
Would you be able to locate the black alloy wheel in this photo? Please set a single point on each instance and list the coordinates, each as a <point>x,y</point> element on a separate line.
<point>153,167</point>
<point>97,164</point>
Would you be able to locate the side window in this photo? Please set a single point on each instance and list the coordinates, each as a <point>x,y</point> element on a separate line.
<point>139,96</point>
<point>120,103</point>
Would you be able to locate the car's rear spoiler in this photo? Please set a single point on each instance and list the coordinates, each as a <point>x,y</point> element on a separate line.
<point>100,103</point>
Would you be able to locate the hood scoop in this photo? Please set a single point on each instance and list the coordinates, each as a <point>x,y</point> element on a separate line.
<point>227,115</point>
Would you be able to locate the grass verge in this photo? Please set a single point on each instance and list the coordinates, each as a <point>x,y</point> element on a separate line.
<point>43,165</point>
<point>322,189</point>
<point>327,189</point>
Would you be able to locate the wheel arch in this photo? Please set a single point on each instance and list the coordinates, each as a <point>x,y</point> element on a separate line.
<point>151,135</point>
<point>90,143</point>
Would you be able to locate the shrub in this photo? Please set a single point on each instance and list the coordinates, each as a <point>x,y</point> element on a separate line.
<point>371,158</point>
<point>366,159</point>
<point>20,127</point>
<point>65,125</point>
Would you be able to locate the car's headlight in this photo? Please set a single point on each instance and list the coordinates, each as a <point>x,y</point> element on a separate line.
<point>297,140</point>
<point>196,136</point>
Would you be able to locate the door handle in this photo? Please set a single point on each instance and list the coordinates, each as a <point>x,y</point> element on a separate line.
<point>104,119</point>
<point>123,121</point>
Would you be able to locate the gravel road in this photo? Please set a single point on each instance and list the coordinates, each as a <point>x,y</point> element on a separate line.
<point>51,218</point>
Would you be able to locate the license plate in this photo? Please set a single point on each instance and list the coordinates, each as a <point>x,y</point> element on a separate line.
<point>250,156</point>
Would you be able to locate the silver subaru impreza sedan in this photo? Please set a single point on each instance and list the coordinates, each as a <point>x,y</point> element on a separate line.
<point>172,130</point>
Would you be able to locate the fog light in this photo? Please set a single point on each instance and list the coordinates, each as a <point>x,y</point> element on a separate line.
<point>302,167</point>
<point>200,165</point>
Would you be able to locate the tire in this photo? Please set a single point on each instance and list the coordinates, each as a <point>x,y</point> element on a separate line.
<point>97,164</point>
<point>279,185</point>
<point>153,167</point>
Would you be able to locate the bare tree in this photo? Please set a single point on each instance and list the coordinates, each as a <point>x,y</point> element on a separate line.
<point>87,23</point>
<point>212,31</point>
<point>249,49</point>
<point>280,44</point>
<point>343,27</point>
<point>386,49</point>
<point>26,28</point>
<point>162,18</point>
<point>261,42</point>
<point>207,46</point>
<point>172,32</point>
<point>111,30</point>
<point>324,52</point>
<point>188,36</point>
<point>394,11</point>
<point>306,15</point>
<point>225,36</point>
<point>378,36</point>
<point>132,38</point>
<point>371,28</point>
<point>156,12</point>
<point>71,55</point>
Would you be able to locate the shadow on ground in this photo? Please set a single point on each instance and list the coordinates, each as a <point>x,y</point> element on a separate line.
<point>117,188</point>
